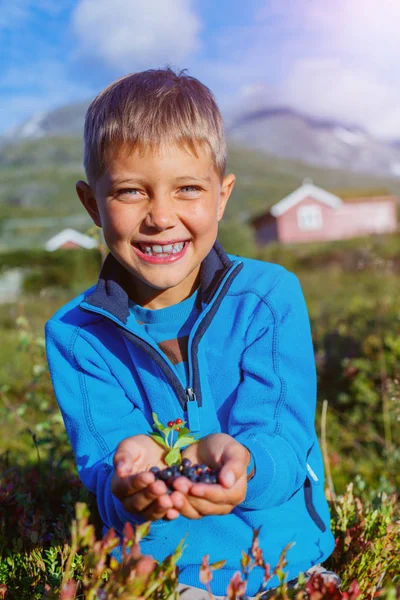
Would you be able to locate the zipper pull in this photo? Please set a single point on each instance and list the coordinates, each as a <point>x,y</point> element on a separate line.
<point>193,410</point>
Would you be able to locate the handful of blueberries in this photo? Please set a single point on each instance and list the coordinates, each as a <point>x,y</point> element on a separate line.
<point>195,473</point>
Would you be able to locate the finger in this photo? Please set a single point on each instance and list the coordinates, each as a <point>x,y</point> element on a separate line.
<point>233,468</point>
<point>171,514</point>
<point>142,500</point>
<point>158,509</point>
<point>132,484</point>
<point>204,508</point>
<point>182,503</point>
<point>127,454</point>
<point>182,484</point>
<point>217,494</point>
<point>123,464</point>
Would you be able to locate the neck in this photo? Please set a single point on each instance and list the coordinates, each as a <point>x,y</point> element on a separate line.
<point>156,299</point>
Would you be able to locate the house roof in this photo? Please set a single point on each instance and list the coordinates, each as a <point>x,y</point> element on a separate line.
<point>307,189</point>
<point>70,235</point>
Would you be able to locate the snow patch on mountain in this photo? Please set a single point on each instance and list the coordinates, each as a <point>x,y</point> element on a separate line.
<point>353,138</point>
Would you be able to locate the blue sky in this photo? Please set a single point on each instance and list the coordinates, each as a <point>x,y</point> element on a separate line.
<point>328,58</point>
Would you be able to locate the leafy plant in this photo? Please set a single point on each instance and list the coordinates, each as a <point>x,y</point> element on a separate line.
<point>172,437</point>
<point>101,576</point>
<point>367,541</point>
<point>355,324</point>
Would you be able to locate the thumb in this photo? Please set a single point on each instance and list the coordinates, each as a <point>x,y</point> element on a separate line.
<point>125,456</point>
<point>123,464</point>
<point>233,469</point>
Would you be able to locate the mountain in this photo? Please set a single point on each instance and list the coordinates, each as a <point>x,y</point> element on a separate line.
<point>42,159</point>
<point>38,176</point>
<point>320,142</point>
<point>62,121</point>
<point>281,132</point>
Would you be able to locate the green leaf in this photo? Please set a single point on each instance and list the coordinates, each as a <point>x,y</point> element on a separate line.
<point>183,431</point>
<point>185,441</point>
<point>218,565</point>
<point>245,560</point>
<point>142,530</point>
<point>158,437</point>
<point>173,457</point>
<point>156,423</point>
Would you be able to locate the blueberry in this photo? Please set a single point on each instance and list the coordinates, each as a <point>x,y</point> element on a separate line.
<point>189,472</point>
<point>154,470</point>
<point>165,474</point>
<point>205,478</point>
<point>214,478</point>
<point>186,462</point>
<point>174,469</point>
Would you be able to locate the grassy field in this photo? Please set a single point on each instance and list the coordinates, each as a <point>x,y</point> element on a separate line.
<point>352,292</point>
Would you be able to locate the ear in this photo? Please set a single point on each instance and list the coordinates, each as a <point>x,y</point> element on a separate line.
<point>226,189</point>
<point>88,199</point>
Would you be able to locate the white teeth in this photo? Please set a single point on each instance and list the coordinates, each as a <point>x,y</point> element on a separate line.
<point>167,249</point>
<point>178,247</point>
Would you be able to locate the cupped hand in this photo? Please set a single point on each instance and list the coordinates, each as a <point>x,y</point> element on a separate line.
<point>133,483</point>
<point>196,500</point>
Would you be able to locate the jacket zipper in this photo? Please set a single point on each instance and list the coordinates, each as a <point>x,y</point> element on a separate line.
<point>187,397</point>
<point>192,408</point>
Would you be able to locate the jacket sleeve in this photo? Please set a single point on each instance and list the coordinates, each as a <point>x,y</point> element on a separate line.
<point>273,415</point>
<point>97,416</point>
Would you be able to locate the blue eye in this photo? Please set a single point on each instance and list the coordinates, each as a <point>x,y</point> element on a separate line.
<point>190,188</point>
<point>128,192</point>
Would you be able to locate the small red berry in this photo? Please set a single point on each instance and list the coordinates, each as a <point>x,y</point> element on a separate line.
<point>171,423</point>
<point>178,421</point>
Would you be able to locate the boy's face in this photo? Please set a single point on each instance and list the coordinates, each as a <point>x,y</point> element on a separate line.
<point>159,213</point>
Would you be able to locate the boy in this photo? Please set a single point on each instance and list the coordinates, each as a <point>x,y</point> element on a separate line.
<point>177,327</point>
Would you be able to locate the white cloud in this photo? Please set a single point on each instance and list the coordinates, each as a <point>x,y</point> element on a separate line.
<point>52,87</point>
<point>327,87</point>
<point>127,35</point>
<point>337,59</point>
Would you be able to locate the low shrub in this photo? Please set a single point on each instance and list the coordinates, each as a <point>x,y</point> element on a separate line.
<point>42,556</point>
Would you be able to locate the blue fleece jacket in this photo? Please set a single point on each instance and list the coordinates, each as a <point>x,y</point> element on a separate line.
<point>252,375</point>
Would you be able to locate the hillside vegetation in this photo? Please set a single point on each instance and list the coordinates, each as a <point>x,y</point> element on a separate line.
<point>37,187</point>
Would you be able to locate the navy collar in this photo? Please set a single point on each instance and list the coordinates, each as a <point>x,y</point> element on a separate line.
<point>111,293</point>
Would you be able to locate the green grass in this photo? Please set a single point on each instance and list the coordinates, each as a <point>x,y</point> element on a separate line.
<point>355,319</point>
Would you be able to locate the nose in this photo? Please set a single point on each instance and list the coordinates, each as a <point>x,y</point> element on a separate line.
<point>160,215</point>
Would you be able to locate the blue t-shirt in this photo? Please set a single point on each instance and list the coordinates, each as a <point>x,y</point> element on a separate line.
<point>170,328</point>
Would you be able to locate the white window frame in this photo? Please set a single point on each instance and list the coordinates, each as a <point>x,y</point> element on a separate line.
<point>309,217</point>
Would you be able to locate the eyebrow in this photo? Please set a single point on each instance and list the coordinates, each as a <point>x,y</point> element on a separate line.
<point>119,181</point>
<point>186,177</point>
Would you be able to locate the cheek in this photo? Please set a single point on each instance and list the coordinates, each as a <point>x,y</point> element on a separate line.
<point>202,217</point>
<point>119,224</point>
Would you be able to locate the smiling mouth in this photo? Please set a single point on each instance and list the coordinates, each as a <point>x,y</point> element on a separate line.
<point>161,250</point>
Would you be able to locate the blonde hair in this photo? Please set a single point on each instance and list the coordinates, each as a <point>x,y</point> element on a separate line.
<point>152,108</point>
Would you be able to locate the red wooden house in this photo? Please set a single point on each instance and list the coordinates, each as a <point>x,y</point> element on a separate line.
<point>311,214</point>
